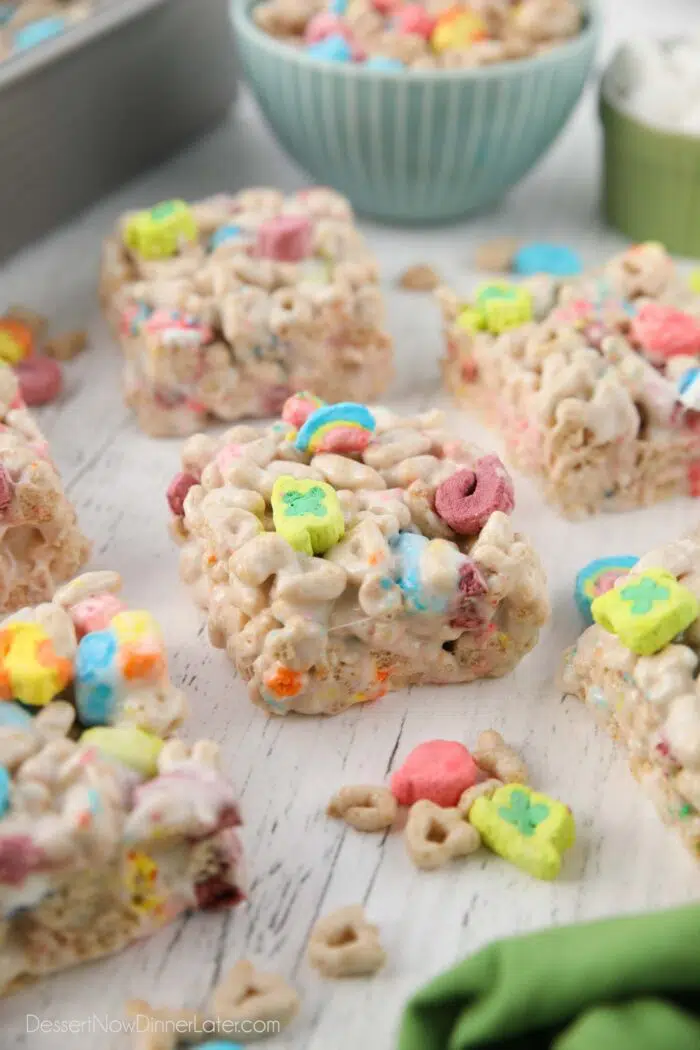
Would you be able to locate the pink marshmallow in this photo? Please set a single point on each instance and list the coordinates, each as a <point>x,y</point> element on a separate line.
<point>96,613</point>
<point>325,24</point>
<point>225,457</point>
<point>413,18</point>
<point>439,770</point>
<point>285,238</point>
<point>663,331</point>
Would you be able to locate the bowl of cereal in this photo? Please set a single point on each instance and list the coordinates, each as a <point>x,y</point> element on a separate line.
<point>417,112</point>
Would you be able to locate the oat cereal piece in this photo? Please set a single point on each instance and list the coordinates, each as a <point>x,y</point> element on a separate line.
<point>40,542</point>
<point>435,836</point>
<point>157,1029</point>
<point>400,599</point>
<point>364,807</point>
<point>500,760</point>
<point>484,789</point>
<point>496,256</point>
<point>108,829</point>
<point>66,346</point>
<point>594,395</point>
<point>249,995</point>
<point>226,307</point>
<point>650,704</point>
<point>345,944</point>
<point>419,278</point>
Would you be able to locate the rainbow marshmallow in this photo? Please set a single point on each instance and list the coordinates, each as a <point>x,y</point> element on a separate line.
<point>346,427</point>
<point>599,577</point>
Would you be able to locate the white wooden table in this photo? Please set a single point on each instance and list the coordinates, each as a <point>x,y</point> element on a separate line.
<point>302,865</point>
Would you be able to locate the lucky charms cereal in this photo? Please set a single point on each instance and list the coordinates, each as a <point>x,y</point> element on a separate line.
<point>40,542</point>
<point>395,35</point>
<point>108,828</point>
<point>597,394</point>
<point>225,307</point>
<point>637,669</point>
<point>332,576</point>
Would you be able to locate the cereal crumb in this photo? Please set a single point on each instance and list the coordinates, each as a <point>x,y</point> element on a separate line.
<point>66,346</point>
<point>419,278</point>
<point>496,256</point>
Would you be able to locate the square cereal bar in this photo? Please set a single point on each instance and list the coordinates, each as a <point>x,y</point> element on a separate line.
<point>225,307</point>
<point>598,393</point>
<point>637,669</point>
<point>40,542</point>
<point>108,830</point>
<point>341,553</point>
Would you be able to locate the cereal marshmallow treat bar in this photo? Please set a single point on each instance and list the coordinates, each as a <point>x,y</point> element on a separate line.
<point>108,829</point>
<point>40,542</point>
<point>342,552</point>
<point>225,307</point>
<point>594,383</point>
<point>637,669</point>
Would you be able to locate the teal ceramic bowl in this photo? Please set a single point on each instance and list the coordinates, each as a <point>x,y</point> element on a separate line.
<point>415,146</point>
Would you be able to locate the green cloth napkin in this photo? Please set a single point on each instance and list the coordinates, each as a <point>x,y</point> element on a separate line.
<point>620,984</point>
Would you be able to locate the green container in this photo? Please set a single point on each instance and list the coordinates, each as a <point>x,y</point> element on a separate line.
<point>651,183</point>
<point>415,145</point>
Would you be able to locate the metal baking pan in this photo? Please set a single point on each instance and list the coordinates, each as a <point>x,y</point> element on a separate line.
<point>118,92</point>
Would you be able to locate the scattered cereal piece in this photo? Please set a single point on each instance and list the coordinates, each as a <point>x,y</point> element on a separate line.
<point>419,278</point>
<point>539,257</point>
<point>646,611</point>
<point>364,807</point>
<point>67,346</point>
<point>496,256</point>
<point>248,995</point>
<point>40,379</point>
<point>485,789</point>
<point>468,498</point>
<point>499,759</point>
<point>435,836</point>
<point>525,827</point>
<point>599,577</point>
<point>345,944</point>
<point>694,282</point>
<point>307,514</point>
<point>161,1032</point>
<point>438,770</point>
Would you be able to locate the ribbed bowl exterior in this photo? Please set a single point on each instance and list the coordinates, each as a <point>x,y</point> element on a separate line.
<point>651,187</point>
<point>419,146</point>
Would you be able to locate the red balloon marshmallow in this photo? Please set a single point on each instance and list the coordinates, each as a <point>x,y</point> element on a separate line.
<point>466,500</point>
<point>439,770</point>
